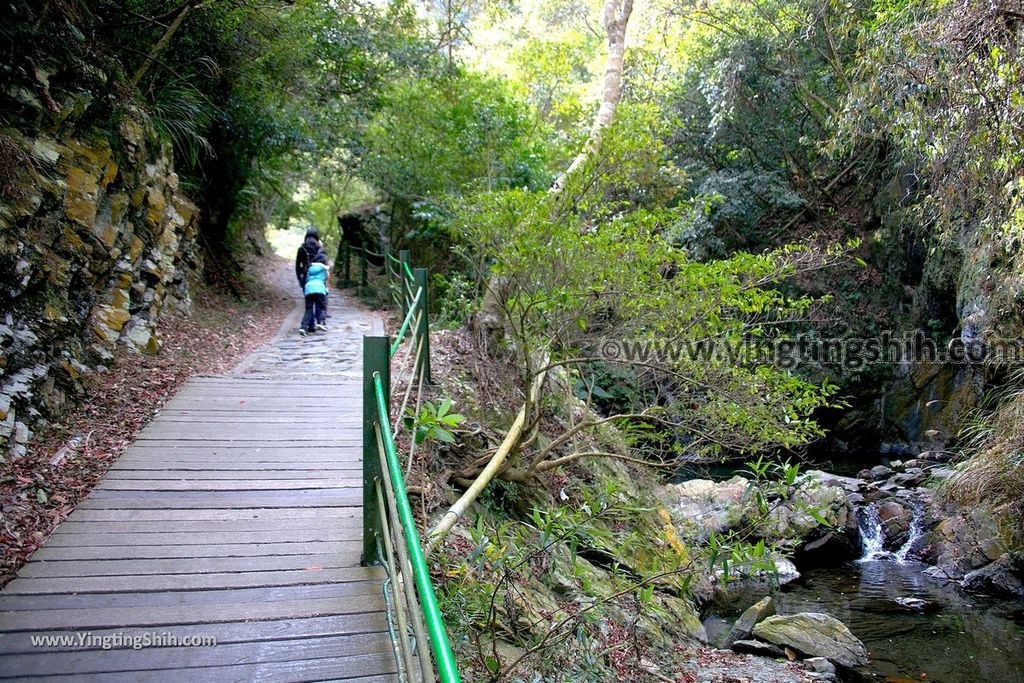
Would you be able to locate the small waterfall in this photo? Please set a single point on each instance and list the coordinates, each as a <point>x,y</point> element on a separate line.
<point>913,534</point>
<point>873,535</point>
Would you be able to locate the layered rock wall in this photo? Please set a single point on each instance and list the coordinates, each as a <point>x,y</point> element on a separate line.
<point>96,242</point>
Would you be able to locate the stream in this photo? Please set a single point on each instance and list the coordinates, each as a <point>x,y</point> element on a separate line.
<point>916,628</point>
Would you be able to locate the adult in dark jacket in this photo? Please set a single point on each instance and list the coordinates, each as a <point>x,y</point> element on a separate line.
<point>306,253</point>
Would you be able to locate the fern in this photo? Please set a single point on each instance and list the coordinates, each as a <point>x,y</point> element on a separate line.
<point>182,115</point>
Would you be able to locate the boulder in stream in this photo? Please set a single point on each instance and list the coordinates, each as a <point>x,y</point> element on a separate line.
<point>814,635</point>
<point>895,520</point>
<point>1005,576</point>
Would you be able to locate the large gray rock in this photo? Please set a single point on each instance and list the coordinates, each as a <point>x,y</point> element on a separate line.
<point>703,506</point>
<point>1005,575</point>
<point>744,626</point>
<point>814,635</point>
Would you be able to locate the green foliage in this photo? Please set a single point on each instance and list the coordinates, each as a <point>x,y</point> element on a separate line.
<point>584,268</point>
<point>496,592</point>
<point>450,135</point>
<point>434,422</point>
<point>455,297</point>
<point>183,115</point>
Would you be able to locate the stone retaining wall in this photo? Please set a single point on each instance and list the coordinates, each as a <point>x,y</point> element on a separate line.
<point>96,242</point>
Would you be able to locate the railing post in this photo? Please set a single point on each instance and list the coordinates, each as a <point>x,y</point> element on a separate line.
<point>387,264</point>
<point>347,267</point>
<point>376,359</point>
<point>403,256</point>
<point>423,332</point>
<point>363,267</point>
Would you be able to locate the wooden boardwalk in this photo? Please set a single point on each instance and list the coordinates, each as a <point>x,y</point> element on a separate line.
<point>235,515</point>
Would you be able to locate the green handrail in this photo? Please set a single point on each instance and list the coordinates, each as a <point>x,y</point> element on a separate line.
<point>443,656</point>
<point>393,257</point>
<point>408,270</point>
<point>406,322</point>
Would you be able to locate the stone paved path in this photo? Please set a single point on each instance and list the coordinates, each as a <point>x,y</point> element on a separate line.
<point>236,515</point>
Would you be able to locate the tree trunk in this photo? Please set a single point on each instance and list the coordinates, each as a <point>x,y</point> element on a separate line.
<point>161,44</point>
<point>616,18</point>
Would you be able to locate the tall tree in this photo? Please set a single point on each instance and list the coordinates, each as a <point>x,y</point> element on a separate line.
<point>616,19</point>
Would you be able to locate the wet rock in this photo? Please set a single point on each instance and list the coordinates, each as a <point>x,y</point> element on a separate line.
<point>1004,576</point>
<point>817,544</point>
<point>848,484</point>
<point>833,547</point>
<point>744,626</point>
<point>936,456</point>
<point>895,520</point>
<point>814,635</point>
<point>914,604</point>
<point>820,665</point>
<point>759,648</point>
<point>912,476</point>
<point>964,540</point>
<point>880,472</point>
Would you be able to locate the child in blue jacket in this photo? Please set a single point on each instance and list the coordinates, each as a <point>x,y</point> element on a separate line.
<point>315,291</point>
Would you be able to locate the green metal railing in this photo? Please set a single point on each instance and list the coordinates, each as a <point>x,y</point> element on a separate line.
<point>390,537</point>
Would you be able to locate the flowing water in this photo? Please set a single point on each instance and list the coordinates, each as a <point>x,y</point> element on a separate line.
<point>916,628</point>
<point>873,539</point>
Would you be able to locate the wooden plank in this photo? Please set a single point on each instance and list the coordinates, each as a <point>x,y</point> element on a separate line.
<point>226,632</point>
<point>369,668</point>
<point>104,661</point>
<point>198,582</point>
<point>290,396</point>
<point>306,406</point>
<point>129,500</point>
<point>138,617</point>
<point>227,448</point>
<point>222,460</point>
<point>336,527</point>
<point>218,597</point>
<point>250,443</point>
<point>255,383</point>
<point>126,474</point>
<point>215,550</point>
<point>35,569</point>
<point>276,424</point>
<point>206,431</point>
<point>236,484</point>
<point>257,452</point>
<point>206,514</point>
<point>227,468</point>
<point>330,467</point>
<point>297,419</point>
<point>216,531</point>
<point>91,537</point>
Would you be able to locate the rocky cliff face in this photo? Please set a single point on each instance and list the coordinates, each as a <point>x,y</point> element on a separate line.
<point>96,242</point>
